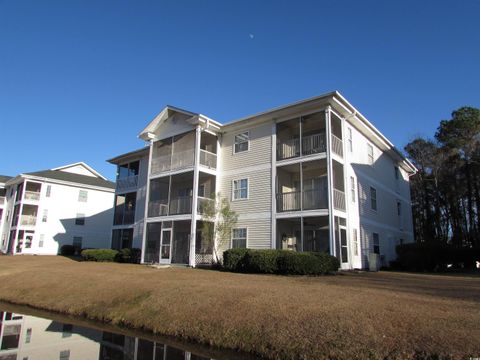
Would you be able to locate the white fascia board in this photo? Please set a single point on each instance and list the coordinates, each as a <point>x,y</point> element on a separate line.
<point>81,163</point>
<point>387,144</point>
<point>68,183</point>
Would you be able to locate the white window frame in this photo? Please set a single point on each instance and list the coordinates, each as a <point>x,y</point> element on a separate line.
<point>370,154</point>
<point>80,217</point>
<point>352,189</point>
<point>45,215</point>
<point>397,173</point>
<point>239,238</point>
<point>41,240</point>
<point>233,189</point>
<point>355,242</point>
<point>350,140</point>
<point>83,196</point>
<point>48,192</point>
<point>373,198</point>
<point>399,208</point>
<point>235,142</point>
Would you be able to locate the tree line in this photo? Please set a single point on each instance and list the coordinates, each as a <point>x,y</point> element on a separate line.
<point>446,189</point>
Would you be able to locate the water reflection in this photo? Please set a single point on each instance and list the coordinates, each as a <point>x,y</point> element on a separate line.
<point>25,337</point>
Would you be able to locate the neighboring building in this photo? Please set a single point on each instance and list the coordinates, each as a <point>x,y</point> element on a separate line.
<point>46,209</point>
<point>3,201</point>
<point>315,175</point>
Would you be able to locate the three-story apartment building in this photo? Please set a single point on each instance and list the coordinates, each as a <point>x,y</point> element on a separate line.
<point>315,175</point>
<point>46,209</point>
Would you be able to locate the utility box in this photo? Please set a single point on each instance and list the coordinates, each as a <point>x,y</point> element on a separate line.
<point>373,262</point>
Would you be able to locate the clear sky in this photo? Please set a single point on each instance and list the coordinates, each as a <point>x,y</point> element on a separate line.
<point>79,79</point>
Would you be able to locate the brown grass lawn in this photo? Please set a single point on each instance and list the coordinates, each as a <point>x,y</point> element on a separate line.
<point>366,315</point>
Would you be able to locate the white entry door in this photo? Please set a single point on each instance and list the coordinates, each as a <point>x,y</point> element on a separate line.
<point>166,246</point>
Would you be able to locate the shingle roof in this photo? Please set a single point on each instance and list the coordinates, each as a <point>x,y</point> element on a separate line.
<point>71,177</point>
<point>4,178</point>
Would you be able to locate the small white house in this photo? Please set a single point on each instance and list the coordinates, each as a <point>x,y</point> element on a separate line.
<point>44,210</point>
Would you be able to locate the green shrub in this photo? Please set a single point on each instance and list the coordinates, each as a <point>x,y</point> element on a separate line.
<point>130,255</point>
<point>435,257</point>
<point>100,255</point>
<point>67,250</point>
<point>261,261</point>
<point>279,262</point>
<point>233,259</point>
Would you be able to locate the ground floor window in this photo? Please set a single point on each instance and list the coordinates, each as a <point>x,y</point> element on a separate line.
<point>376,243</point>
<point>77,243</point>
<point>239,238</point>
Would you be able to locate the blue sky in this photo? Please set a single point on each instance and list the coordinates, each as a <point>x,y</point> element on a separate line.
<point>80,79</point>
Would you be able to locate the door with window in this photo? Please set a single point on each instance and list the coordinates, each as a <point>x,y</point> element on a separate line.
<point>166,246</point>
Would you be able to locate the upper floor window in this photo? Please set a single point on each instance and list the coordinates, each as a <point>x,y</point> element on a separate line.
<point>45,215</point>
<point>240,189</point>
<point>129,169</point>
<point>352,188</point>
<point>239,238</point>
<point>83,195</point>
<point>49,190</point>
<point>399,208</point>
<point>355,242</point>
<point>376,243</point>
<point>241,142</point>
<point>370,153</point>
<point>80,219</point>
<point>397,173</point>
<point>350,140</point>
<point>373,198</point>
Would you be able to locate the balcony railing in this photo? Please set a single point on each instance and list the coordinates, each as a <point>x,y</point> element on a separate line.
<point>181,205</point>
<point>337,146</point>
<point>205,205</point>
<point>315,199</point>
<point>311,144</point>
<point>208,159</point>
<point>129,182</point>
<point>28,220</point>
<point>338,199</point>
<point>177,160</point>
<point>32,195</point>
<point>289,201</point>
<point>158,208</point>
<point>312,199</point>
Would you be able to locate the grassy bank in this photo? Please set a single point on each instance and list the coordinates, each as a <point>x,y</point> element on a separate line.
<point>357,315</point>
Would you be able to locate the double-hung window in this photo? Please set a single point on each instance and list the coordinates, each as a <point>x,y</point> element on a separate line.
<point>240,189</point>
<point>241,142</point>
<point>373,198</point>
<point>376,243</point>
<point>352,188</point>
<point>370,153</point>
<point>83,195</point>
<point>239,238</point>
<point>350,140</point>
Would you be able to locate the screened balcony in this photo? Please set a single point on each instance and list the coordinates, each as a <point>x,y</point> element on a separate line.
<point>127,176</point>
<point>208,150</point>
<point>304,234</point>
<point>125,209</point>
<point>302,186</point>
<point>301,136</point>
<point>173,153</point>
<point>32,191</point>
<point>336,136</point>
<point>29,215</point>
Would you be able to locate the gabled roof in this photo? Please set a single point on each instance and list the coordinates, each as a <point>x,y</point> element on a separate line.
<point>167,112</point>
<point>123,157</point>
<point>73,178</point>
<point>4,179</point>
<point>81,164</point>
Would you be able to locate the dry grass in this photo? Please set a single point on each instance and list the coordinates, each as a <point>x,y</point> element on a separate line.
<point>352,316</point>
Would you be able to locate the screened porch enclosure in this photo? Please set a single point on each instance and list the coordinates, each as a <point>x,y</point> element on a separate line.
<point>168,242</point>
<point>303,234</point>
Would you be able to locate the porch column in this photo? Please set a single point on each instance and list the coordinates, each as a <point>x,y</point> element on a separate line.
<point>328,132</point>
<point>147,199</point>
<point>273,217</point>
<point>193,229</point>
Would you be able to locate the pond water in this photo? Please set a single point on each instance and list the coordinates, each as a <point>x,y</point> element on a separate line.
<point>27,337</point>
